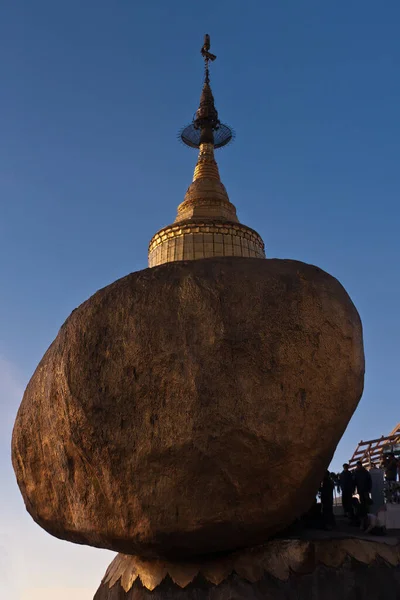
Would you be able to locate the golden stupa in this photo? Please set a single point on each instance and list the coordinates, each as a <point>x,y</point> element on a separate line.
<point>206,224</point>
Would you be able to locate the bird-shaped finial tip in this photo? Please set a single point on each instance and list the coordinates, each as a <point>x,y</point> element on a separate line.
<point>206,54</point>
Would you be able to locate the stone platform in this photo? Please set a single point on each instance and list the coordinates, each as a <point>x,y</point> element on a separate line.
<point>323,566</point>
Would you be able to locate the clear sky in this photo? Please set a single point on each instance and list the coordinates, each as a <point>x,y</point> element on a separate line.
<point>92,95</point>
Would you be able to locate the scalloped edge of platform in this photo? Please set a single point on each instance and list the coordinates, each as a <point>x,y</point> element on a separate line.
<point>278,558</point>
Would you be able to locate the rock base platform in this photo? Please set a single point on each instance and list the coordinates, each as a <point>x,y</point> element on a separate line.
<point>286,569</point>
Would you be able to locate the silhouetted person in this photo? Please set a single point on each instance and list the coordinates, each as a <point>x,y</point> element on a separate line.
<point>363,482</point>
<point>346,481</point>
<point>326,490</point>
<point>390,468</point>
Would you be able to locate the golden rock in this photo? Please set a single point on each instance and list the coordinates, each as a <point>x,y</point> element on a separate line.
<point>190,408</point>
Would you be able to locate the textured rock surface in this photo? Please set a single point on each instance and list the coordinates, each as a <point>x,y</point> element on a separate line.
<point>190,408</point>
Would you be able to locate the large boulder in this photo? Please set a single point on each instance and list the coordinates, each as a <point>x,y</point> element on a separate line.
<point>190,408</point>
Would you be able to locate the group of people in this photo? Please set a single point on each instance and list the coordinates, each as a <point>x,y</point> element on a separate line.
<point>360,482</point>
<point>349,482</point>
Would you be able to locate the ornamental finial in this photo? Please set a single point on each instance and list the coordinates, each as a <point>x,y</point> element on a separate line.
<point>206,54</point>
<point>206,127</point>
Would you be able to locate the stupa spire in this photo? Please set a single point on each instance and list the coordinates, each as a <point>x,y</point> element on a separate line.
<point>206,197</point>
<point>206,224</point>
<point>206,126</point>
<point>206,118</point>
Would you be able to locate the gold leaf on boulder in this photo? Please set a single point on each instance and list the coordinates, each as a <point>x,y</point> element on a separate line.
<point>190,408</point>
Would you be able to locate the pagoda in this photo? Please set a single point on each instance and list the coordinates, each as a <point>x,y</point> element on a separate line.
<point>206,224</point>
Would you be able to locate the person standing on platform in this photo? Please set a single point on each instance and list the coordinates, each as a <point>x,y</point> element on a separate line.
<point>326,491</point>
<point>346,481</point>
<point>363,482</point>
<point>391,468</point>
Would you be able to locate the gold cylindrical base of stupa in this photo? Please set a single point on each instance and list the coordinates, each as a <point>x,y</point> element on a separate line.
<point>206,224</point>
<point>194,240</point>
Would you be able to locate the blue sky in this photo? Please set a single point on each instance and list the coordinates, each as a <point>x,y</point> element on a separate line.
<point>92,95</point>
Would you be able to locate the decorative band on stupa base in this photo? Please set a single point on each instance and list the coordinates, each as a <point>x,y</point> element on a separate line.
<point>194,240</point>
